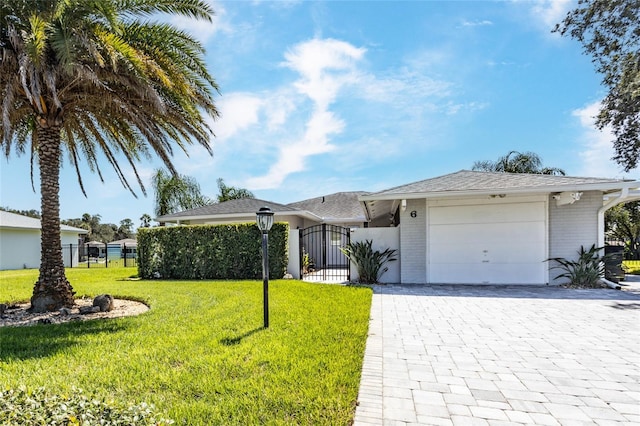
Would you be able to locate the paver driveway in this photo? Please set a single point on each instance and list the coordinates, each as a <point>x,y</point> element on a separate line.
<point>484,355</point>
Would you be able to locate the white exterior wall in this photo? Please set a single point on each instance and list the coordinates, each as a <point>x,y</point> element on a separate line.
<point>572,226</point>
<point>20,248</point>
<point>413,242</point>
<point>293,267</point>
<point>382,239</point>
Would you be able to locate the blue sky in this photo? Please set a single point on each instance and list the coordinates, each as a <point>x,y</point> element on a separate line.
<point>321,97</point>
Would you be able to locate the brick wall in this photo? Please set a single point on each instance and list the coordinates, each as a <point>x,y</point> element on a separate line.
<point>413,243</point>
<point>572,226</point>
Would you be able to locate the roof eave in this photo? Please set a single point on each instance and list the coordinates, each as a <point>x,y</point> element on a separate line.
<point>605,187</point>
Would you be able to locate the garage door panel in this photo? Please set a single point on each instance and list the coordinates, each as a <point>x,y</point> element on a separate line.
<point>500,213</point>
<point>509,247</point>
<point>458,273</point>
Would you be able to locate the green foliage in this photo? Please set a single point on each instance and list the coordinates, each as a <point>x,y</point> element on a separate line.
<point>104,232</point>
<point>369,262</point>
<point>608,31</point>
<point>174,193</point>
<point>29,213</point>
<point>211,251</point>
<point>517,162</point>
<point>584,272</point>
<point>41,408</point>
<point>200,354</point>
<point>232,193</point>
<point>622,222</point>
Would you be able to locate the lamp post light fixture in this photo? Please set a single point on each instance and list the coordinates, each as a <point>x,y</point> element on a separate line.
<point>264,220</point>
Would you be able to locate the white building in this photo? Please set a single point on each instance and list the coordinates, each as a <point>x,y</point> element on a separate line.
<point>20,242</point>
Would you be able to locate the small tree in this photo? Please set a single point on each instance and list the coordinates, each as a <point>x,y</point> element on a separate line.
<point>370,263</point>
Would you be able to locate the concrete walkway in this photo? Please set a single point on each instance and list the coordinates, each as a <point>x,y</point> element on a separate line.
<point>485,355</point>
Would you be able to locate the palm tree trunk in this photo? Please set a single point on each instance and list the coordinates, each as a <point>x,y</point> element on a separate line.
<point>52,291</point>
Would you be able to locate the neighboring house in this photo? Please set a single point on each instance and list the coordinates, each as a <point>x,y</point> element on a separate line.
<point>474,227</point>
<point>20,242</point>
<point>127,247</point>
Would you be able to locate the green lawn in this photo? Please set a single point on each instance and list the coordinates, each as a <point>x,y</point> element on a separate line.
<point>200,354</point>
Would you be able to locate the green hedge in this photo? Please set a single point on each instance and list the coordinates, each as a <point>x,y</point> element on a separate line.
<point>211,252</point>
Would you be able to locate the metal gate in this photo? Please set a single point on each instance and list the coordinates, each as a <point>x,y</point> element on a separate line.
<point>320,257</point>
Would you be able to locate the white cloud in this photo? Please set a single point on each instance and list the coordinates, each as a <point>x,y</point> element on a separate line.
<point>482,23</point>
<point>201,29</point>
<point>597,146</point>
<point>550,12</point>
<point>325,66</point>
<point>238,111</point>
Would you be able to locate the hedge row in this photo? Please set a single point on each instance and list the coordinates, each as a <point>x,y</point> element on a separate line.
<point>211,252</point>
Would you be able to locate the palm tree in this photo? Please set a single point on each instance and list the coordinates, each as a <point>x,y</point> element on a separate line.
<point>517,162</point>
<point>91,79</point>
<point>232,193</point>
<point>176,192</point>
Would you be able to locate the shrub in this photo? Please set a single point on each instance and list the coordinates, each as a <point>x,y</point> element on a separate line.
<point>369,263</point>
<point>39,408</point>
<point>211,252</point>
<point>584,272</point>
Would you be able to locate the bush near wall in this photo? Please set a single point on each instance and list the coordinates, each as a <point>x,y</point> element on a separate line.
<point>210,252</point>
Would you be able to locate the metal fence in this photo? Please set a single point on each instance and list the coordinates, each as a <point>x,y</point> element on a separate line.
<point>99,255</point>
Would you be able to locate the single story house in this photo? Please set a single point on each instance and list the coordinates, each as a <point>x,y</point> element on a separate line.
<point>467,227</point>
<point>473,227</point>
<point>342,209</point>
<point>20,242</point>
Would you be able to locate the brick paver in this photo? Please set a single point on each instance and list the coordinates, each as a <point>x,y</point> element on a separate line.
<point>501,355</point>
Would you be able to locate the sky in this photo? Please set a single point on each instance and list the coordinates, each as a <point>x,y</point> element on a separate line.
<point>322,97</point>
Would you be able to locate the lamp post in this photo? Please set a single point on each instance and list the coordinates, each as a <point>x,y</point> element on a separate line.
<point>264,219</point>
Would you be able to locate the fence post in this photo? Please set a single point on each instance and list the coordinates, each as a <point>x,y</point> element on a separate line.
<point>124,248</point>
<point>70,255</point>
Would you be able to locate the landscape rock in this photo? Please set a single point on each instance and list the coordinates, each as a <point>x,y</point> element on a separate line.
<point>3,308</point>
<point>65,311</point>
<point>104,302</point>
<point>84,310</point>
<point>287,277</point>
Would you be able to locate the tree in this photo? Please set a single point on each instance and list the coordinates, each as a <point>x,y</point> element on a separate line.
<point>125,230</point>
<point>231,193</point>
<point>95,80</point>
<point>608,31</point>
<point>517,162</point>
<point>622,222</point>
<point>145,221</point>
<point>176,192</point>
<point>29,213</point>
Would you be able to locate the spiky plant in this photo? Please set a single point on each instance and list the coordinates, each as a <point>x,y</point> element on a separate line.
<point>370,263</point>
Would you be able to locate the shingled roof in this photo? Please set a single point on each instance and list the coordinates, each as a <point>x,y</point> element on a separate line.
<point>466,181</point>
<point>18,221</point>
<point>341,206</point>
<point>231,207</point>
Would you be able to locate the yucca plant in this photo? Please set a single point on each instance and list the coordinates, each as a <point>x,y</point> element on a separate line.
<point>370,263</point>
<point>586,271</point>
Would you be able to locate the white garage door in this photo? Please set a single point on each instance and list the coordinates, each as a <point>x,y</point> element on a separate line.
<point>496,244</point>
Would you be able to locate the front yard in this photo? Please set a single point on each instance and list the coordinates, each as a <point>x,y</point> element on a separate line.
<point>200,354</point>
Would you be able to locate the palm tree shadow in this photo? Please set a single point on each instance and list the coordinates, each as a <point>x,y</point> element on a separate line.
<point>232,341</point>
<point>41,341</point>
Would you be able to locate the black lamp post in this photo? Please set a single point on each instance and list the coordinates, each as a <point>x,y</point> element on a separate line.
<point>264,219</point>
